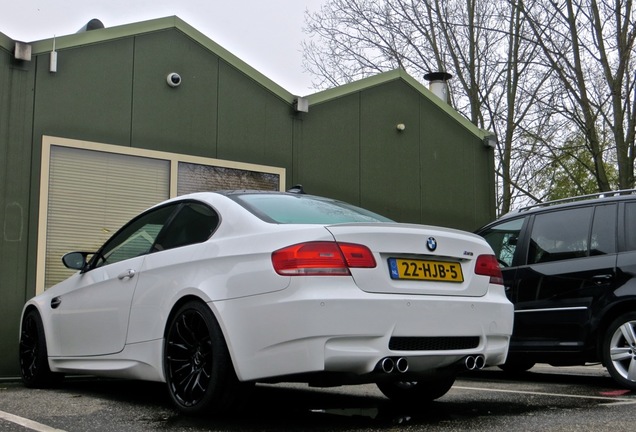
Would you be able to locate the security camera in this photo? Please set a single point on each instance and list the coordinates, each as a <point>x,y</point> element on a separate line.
<point>173,79</point>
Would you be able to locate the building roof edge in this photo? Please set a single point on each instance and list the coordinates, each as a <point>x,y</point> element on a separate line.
<point>155,25</point>
<point>389,76</point>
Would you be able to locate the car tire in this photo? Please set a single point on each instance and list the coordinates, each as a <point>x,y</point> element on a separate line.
<point>197,364</point>
<point>517,366</point>
<point>33,355</point>
<point>619,350</point>
<point>413,392</point>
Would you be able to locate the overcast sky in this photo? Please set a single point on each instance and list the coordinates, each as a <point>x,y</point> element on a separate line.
<point>265,34</point>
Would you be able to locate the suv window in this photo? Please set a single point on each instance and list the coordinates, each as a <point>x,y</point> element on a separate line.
<point>503,240</point>
<point>560,235</point>
<point>603,238</point>
<point>630,226</point>
<point>566,234</point>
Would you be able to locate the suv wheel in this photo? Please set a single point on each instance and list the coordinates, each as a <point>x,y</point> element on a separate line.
<point>619,350</point>
<point>516,366</point>
<point>413,392</point>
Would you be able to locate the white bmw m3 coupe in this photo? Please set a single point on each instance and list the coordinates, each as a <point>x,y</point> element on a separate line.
<point>212,292</point>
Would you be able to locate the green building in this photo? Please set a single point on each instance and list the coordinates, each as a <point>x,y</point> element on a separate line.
<point>95,127</point>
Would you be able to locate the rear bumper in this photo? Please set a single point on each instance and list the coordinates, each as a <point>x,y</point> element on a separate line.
<point>332,326</point>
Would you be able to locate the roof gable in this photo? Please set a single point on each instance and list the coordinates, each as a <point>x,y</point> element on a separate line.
<point>386,77</point>
<point>160,24</point>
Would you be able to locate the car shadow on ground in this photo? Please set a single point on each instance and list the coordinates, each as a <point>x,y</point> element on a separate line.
<point>266,407</point>
<point>304,408</point>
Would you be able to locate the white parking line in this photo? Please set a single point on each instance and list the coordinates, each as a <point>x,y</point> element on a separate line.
<point>30,424</point>
<point>610,400</point>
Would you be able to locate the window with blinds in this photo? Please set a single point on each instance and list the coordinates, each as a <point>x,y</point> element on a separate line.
<point>91,195</point>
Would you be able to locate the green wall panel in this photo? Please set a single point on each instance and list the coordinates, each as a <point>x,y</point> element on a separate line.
<point>449,181</point>
<point>16,107</point>
<point>179,119</point>
<point>484,189</point>
<point>254,124</point>
<point>329,151</point>
<point>389,158</point>
<point>89,97</point>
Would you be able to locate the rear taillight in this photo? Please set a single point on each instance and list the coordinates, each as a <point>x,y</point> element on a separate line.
<point>321,258</point>
<point>487,265</point>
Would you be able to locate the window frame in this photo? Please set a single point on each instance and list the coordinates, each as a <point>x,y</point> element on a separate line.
<point>99,259</point>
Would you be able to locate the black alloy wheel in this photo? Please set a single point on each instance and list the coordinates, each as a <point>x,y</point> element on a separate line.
<point>619,350</point>
<point>197,364</point>
<point>34,365</point>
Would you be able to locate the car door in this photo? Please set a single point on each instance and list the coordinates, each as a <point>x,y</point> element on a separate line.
<point>175,266</point>
<point>504,238</point>
<point>570,261</point>
<point>91,316</point>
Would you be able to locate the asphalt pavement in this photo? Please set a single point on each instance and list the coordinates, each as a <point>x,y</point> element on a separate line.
<point>544,399</point>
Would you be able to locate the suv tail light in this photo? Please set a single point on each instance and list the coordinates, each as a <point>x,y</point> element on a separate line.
<point>487,265</point>
<point>321,258</point>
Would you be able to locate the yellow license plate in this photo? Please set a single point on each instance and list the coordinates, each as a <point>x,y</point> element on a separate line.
<point>425,270</point>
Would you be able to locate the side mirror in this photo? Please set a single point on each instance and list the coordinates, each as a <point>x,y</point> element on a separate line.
<point>75,260</point>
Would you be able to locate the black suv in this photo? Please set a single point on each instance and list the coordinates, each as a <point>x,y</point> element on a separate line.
<point>569,267</point>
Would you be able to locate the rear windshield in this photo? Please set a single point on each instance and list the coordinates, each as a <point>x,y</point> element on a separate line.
<point>304,209</point>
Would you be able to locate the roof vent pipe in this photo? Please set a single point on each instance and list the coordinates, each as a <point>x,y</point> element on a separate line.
<point>93,24</point>
<point>437,84</point>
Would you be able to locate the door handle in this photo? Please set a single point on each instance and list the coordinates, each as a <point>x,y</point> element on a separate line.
<point>55,302</point>
<point>602,278</point>
<point>128,274</point>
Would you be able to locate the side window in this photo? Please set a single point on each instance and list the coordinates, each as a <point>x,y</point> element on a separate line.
<point>560,235</point>
<point>603,240</point>
<point>630,226</point>
<point>502,239</point>
<point>136,238</point>
<point>194,223</point>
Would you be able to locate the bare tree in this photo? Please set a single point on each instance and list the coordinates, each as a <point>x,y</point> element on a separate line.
<point>590,47</point>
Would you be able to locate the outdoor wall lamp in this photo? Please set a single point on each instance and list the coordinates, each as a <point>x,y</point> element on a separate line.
<point>301,104</point>
<point>490,141</point>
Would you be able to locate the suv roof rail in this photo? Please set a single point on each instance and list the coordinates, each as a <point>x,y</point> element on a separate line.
<point>579,198</point>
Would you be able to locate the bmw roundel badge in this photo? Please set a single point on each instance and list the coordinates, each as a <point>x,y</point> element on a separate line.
<point>431,244</point>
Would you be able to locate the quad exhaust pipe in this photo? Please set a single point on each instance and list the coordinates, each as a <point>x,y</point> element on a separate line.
<point>401,364</point>
<point>389,365</point>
